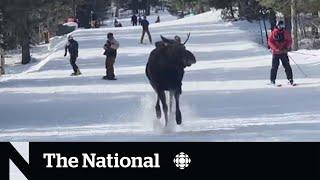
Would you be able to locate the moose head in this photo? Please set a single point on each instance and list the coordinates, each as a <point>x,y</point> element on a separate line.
<point>178,49</point>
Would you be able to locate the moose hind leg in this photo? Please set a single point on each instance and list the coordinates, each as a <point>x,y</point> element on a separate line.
<point>162,96</point>
<point>178,112</point>
<point>158,109</point>
<point>171,100</point>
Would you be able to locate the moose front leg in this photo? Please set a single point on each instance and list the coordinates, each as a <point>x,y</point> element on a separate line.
<point>158,110</point>
<point>178,112</point>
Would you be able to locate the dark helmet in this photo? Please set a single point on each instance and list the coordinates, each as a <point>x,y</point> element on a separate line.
<point>110,35</point>
<point>280,25</point>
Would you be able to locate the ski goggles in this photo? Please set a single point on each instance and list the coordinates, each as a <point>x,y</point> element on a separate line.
<point>281,26</point>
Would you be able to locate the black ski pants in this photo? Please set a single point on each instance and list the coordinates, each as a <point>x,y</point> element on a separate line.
<point>73,60</point>
<point>148,33</point>
<point>285,63</point>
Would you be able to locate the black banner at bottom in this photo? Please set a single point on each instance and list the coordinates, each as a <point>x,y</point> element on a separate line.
<point>150,160</point>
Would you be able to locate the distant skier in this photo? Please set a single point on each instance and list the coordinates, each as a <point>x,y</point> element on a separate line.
<point>139,19</point>
<point>145,29</point>
<point>46,34</point>
<point>280,42</point>
<point>134,20</point>
<point>72,46</point>
<point>110,48</point>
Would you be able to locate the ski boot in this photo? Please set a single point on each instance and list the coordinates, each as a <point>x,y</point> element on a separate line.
<point>78,72</point>
<point>273,83</point>
<point>292,83</point>
<point>108,78</point>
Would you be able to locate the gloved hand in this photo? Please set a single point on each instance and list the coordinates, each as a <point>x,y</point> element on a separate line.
<point>285,50</point>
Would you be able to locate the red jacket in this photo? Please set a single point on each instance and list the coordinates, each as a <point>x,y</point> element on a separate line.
<point>280,47</point>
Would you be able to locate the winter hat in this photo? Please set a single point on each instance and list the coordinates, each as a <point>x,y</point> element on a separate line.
<point>110,35</point>
<point>70,37</point>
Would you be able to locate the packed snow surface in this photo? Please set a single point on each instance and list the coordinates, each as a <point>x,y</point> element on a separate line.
<point>225,94</point>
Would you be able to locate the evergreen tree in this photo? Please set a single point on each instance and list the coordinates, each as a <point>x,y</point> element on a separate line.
<point>21,20</point>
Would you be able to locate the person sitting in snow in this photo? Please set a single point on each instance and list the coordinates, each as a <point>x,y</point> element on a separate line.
<point>280,42</point>
<point>158,19</point>
<point>72,46</point>
<point>117,23</point>
<point>110,48</point>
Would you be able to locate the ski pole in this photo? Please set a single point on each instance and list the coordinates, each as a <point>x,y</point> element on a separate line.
<point>305,54</point>
<point>298,66</point>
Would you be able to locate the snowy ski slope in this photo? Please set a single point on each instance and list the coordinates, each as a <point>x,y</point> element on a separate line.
<point>225,96</point>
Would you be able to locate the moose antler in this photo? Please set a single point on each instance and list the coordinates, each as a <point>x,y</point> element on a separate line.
<point>187,39</point>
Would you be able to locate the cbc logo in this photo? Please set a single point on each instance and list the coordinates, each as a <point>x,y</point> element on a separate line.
<point>182,160</point>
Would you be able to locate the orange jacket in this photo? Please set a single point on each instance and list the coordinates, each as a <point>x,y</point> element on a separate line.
<point>280,47</point>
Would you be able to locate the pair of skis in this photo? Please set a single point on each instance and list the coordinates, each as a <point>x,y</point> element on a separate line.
<point>280,85</point>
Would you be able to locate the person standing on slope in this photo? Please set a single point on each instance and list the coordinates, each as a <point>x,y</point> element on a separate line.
<point>280,42</point>
<point>145,29</point>
<point>134,20</point>
<point>72,46</point>
<point>110,48</point>
<point>139,19</point>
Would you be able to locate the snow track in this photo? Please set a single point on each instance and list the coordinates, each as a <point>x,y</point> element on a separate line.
<point>225,96</point>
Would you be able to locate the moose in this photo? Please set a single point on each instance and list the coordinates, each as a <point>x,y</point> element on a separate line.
<point>165,71</point>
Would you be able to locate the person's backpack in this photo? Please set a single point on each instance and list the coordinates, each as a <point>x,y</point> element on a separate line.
<point>280,37</point>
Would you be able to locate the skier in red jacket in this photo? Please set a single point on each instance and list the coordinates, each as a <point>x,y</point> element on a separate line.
<point>280,42</point>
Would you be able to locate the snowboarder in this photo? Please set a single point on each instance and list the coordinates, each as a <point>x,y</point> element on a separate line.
<point>145,29</point>
<point>72,46</point>
<point>134,20</point>
<point>280,42</point>
<point>110,48</point>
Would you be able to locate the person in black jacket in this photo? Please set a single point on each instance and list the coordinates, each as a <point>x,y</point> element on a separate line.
<point>72,46</point>
<point>145,29</point>
<point>110,48</point>
<point>134,20</point>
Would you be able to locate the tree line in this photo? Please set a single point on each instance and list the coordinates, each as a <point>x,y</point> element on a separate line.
<point>299,15</point>
<point>22,21</point>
